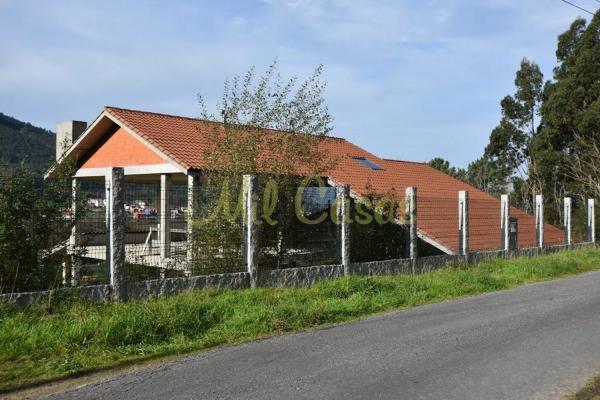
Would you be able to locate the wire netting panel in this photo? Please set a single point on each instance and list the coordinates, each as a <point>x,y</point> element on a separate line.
<point>579,218</point>
<point>90,249</point>
<point>527,230</point>
<point>376,233</point>
<point>142,241</point>
<point>484,224</point>
<point>217,236</point>
<point>554,232</point>
<point>437,219</point>
<point>297,225</point>
<point>155,238</point>
<point>596,218</point>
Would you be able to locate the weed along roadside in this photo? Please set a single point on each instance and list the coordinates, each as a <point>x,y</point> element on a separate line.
<point>63,338</point>
<point>590,391</point>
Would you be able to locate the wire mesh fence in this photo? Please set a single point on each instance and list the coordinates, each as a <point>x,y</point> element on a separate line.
<point>171,231</point>
<point>216,229</point>
<point>579,221</point>
<point>484,224</point>
<point>554,219</point>
<point>377,230</point>
<point>155,230</point>
<point>526,233</point>
<point>88,248</point>
<point>438,220</point>
<point>297,224</point>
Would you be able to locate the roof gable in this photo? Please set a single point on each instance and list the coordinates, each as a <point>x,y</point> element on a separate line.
<point>121,149</point>
<point>179,138</point>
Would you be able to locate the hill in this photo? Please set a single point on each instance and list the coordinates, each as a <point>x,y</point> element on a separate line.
<point>23,141</point>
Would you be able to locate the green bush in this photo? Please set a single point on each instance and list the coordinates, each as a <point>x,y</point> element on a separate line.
<point>32,222</point>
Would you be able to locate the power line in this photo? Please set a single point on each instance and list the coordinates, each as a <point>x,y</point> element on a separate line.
<point>576,6</point>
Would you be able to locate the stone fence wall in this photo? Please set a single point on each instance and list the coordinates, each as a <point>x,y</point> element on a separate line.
<point>284,277</point>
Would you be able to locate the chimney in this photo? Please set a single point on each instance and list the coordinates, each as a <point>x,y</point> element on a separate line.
<point>66,134</point>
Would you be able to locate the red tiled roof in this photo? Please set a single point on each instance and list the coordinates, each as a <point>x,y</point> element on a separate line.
<point>184,140</point>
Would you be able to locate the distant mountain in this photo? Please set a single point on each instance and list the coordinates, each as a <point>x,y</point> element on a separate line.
<point>23,141</point>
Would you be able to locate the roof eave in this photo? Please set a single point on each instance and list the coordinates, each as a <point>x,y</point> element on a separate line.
<point>76,146</point>
<point>96,130</point>
<point>146,141</point>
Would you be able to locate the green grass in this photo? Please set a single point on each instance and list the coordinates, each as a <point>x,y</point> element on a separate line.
<point>590,391</point>
<point>73,337</point>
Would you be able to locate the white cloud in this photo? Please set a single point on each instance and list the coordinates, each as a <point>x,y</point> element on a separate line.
<point>434,68</point>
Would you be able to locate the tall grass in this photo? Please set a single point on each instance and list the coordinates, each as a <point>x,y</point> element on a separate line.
<point>76,336</point>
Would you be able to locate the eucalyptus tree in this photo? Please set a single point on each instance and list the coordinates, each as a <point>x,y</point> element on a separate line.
<point>509,145</point>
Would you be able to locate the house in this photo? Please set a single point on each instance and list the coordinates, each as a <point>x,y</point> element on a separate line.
<point>153,147</point>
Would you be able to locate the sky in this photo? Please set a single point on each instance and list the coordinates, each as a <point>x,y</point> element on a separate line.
<point>406,79</point>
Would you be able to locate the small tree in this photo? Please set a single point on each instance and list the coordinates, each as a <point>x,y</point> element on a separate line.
<point>35,222</point>
<point>268,125</point>
<point>263,125</point>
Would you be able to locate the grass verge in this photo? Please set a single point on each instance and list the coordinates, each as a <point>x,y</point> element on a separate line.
<point>73,337</point>
<point>591,391</point>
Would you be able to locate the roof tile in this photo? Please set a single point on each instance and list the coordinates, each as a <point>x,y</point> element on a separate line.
<point>184,140</point>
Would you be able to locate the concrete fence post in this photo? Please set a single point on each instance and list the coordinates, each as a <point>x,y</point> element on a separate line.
<point>75,265</point>
<point>463,222</point>
<point>411,215</point>
<point>539,221</point>
<point>165,218</point>
<point>250,248</point>
<point>72,266</point>
<point>567,219</point>
<point>504,222</point>
<point>66,270</point>
<point>343,218</point>
<point>192,213</point>
<point>591,221</point>
<point>117,234</point>
<point>107,214</point>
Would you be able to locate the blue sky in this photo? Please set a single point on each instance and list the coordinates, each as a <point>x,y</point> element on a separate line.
<point>406,79</point>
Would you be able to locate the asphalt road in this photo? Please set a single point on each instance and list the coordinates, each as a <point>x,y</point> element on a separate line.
<point>533,342</point>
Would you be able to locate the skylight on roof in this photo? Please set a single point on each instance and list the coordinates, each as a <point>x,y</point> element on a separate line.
<point>367,163</point>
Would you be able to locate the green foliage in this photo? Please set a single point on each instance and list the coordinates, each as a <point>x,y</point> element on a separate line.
<point>570,129</point>
<point>572,105</point>
<point>488,175</point>
<point>20,141</point>
<point>71,336</point>
<point>267,126</point>
<point>547,140</point>
<point>218,233</point>
<point>508,150</point>
<point>444,165</point>
<point>484,173</point>
<point>32,222</point>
